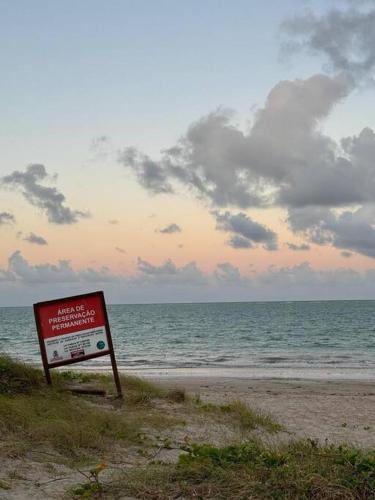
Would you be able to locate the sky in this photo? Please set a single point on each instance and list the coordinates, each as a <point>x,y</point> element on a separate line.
<point>187,151</point>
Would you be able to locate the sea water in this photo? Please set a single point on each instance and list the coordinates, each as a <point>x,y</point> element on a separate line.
<point>320,339</point>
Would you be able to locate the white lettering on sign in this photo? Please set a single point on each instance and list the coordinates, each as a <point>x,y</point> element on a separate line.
<point>69,317</point>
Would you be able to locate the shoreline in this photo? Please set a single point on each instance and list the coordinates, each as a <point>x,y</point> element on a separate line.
<point>344,375</point>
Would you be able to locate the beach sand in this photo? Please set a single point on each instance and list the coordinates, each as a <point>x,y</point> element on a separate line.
<point>325,411</point>
<point>332,411</point>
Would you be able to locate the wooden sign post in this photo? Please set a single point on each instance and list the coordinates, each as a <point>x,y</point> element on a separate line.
<point>74,329</point>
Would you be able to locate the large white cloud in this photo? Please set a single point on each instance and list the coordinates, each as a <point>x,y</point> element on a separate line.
<point>267,166</point>
<point>284,159</point>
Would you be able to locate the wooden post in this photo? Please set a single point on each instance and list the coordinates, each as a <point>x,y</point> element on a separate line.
<point>42,347</point>
<point>112,352</point>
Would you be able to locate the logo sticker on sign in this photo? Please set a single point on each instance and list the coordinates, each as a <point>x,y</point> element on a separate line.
<point>74,329</point>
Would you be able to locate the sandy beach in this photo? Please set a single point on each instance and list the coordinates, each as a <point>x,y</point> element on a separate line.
<point>64,437</point>
<point>336,411</point>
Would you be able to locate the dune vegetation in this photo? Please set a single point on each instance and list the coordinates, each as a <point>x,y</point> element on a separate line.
<point>157,443</point>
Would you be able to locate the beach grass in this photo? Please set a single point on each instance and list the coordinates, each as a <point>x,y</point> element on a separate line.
<point>17,377</point>
<point>299,470</point>
<point>77,427</point>
<point>240,413</point>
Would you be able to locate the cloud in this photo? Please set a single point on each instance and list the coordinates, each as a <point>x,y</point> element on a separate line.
<point>149,173</point>
<point>245,231</point>
<point>6,218</point>
<point>167,282</point>
<point>346,254</point>
<point>100,148</point>
<point>298,248</point>
<point>21,271</point>
<point>285,159</point>
<point>120,250</point>
<point>346,38</point>
<point>349,229</point>
<point>170,229</point>
<point>296,167</point>
<point>303,276</point>
<point>36,240</point>
<point>200,162</point>
<point>228,274</point>
<point>48,199</point>
<point>237,241</point>
<point>99,143</point>
<point>267,166</point>
<point>169,274</point>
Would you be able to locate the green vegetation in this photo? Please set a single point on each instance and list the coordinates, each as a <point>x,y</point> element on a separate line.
<point>300,470</point>
<point>61,422</point>
<point>238,412</point>
<point>16,377</point>
<point>77,427</point>
<point>4,485</point>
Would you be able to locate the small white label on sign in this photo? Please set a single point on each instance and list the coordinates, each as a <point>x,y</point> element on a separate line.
<point>76,345</point>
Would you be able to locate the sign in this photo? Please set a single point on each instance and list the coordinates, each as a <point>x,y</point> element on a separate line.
<point>74,329</point>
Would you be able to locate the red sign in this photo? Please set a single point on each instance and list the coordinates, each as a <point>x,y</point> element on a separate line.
<point>74,329</point>
<point>71,315</point>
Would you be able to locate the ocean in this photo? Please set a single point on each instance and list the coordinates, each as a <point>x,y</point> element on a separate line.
<point>315,340</point>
